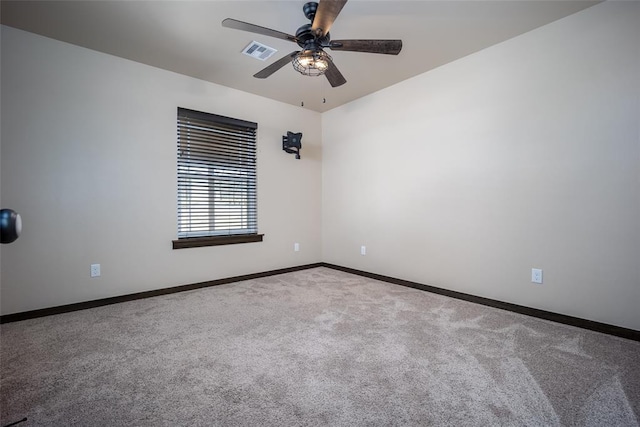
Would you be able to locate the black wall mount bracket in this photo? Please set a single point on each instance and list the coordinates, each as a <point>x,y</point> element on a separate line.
<point>292,143</point>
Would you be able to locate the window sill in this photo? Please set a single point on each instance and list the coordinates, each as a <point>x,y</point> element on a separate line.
<point>197,242</point>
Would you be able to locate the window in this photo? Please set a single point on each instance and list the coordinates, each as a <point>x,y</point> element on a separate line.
<point>216,180</point>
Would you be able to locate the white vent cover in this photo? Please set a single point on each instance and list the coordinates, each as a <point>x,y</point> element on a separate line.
<point>259,51</point>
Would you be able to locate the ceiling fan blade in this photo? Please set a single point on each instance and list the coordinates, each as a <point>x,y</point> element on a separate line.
<point>266,72</point>
<point>388,47</point>
<point>334,75</point>
<point>327,12</point>
<point>252,28</point>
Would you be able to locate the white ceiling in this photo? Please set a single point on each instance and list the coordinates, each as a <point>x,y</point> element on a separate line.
<point>186,37</point>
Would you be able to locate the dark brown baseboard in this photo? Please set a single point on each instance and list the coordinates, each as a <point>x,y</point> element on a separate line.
<point>15,317</point>
<point>618,331</point>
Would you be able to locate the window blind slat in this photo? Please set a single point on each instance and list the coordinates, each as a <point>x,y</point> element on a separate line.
<point>189,129</point>
<point>219,159</point>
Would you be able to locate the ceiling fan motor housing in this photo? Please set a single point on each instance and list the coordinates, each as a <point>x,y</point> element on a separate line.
<point>307,39</point>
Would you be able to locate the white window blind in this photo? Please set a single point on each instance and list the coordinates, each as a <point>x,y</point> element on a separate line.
<point>216,175</point>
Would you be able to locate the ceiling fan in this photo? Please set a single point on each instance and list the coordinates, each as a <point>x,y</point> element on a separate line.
<point>313,38</point>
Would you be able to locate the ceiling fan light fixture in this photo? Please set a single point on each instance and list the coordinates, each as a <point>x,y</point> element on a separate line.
<point>311,62</point>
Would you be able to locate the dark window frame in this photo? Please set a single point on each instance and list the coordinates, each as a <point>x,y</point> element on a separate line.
<point>217,180</point>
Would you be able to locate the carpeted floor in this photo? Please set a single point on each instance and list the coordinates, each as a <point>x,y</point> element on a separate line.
<point>315,347</point>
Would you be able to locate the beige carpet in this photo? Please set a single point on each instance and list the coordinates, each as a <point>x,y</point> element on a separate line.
<point>315,347</point>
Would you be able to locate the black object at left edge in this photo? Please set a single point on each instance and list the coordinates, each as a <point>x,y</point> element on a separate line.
<point>10,225</point>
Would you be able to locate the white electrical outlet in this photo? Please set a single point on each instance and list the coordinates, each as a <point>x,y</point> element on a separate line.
<point>363,250</point>
<point>296,247</point>
<point>95,270</point>
<point>536,275</point>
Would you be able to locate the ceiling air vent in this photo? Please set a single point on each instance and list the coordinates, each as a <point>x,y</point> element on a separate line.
<point>259,51</point>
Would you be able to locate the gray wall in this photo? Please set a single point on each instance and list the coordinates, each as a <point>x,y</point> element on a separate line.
<point>89,160</point>
<point>526,154</point>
